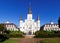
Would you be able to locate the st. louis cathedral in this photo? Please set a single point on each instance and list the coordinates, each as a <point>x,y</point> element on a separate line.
<point>29,26</point>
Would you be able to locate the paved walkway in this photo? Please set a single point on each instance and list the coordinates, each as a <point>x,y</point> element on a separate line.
<point>30,40</point>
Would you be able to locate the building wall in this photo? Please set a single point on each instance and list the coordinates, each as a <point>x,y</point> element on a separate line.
<point>50,27</point>
<point>11,27</point>
<point>29,26</point>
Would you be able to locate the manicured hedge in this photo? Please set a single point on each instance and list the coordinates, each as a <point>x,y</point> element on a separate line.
<point>15,34</point>
<point>47,34</point>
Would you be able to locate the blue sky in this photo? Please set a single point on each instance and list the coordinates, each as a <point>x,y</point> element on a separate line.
<point>10,10</point>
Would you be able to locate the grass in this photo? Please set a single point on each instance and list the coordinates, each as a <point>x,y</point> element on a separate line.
<point>11,41</point>
<point>44,40</point>
<point>51,40</point>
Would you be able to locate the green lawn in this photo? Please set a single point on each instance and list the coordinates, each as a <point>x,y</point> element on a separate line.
<point>44,40</point>
<point>11,41</point>
<point>51,40</point>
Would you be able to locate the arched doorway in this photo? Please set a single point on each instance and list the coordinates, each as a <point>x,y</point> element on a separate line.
<point>30,32</point>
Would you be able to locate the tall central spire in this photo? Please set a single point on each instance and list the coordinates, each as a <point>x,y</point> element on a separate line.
<point>29,16</point>
<point>29,9</point>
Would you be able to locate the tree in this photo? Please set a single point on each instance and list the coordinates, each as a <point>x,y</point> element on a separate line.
<point>59,22</point>
<point>7,31</point>
<point>1,28</point>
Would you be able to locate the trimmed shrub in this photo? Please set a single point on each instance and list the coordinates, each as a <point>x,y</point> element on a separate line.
<point>15,34</point>
<point>44,34</point>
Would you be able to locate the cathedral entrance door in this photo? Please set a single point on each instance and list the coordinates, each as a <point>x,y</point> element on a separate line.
<point>30,33</point>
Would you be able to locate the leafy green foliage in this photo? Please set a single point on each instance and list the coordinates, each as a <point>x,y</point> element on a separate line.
<point>1,28</point>
<point>7,31</point>
<point>46,34</point>
<point>3,33</point>
<point>51,40</point>
<point>3,37</point>
<point>15,34</point>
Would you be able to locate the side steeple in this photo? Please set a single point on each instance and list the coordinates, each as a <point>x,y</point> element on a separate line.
<point>38,22</point>
<point>38,17</point>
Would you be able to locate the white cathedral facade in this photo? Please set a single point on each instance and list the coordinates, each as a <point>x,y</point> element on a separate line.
<point>29,26</point>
